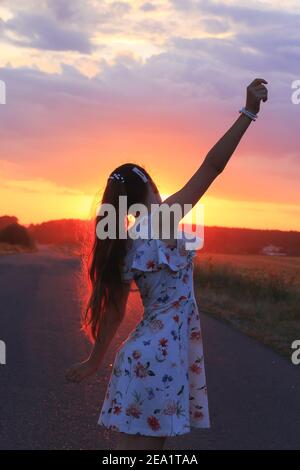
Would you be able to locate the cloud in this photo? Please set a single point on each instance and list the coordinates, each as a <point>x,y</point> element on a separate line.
<point>65,106</point>
<point>63,10</point>
<point>183,5</point>
<point>260,52</point>
<point>89,13</point>
<point>148,6</point>
<point>61,25</point>
<point>262,38</point>
<point>150,25</point>
<point>272,20</point>
<point>215,25</point>
<point>42,32</point>
<point>120,8</point>
<point>253,16</point>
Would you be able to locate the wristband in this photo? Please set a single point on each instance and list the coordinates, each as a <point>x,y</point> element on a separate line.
<point>248,113</point>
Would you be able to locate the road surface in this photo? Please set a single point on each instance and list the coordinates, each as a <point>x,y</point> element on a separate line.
<point>254,394</point>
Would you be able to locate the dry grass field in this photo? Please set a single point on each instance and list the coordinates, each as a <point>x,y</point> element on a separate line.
<point>259,295</point>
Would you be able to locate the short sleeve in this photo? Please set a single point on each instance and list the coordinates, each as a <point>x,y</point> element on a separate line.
<point>127,275</point>
<point>153,255</point>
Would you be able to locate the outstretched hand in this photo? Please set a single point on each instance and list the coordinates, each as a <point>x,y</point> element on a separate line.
<point>256,92</point>
<point>80,371</point>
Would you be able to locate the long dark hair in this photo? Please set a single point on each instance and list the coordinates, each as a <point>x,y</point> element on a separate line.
<point>107,255</point>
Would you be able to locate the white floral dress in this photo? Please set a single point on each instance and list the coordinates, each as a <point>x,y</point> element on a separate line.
<point>157,385</point>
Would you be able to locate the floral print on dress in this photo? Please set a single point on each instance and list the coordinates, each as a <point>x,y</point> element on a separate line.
<point>157,385</point>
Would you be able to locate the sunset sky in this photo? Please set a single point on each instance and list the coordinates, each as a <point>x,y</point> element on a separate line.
<point>93,84</point>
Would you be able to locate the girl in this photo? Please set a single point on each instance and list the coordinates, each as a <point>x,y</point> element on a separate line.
<point>157,386</point>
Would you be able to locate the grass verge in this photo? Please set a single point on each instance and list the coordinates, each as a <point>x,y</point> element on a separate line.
<point>257,296</point>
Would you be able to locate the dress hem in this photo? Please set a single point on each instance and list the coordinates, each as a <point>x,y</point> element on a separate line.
<point>154,434</point>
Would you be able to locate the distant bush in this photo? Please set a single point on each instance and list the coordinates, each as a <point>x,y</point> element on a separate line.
<point>6,220</point>
<point>16,234</point>
<point>64,231</point>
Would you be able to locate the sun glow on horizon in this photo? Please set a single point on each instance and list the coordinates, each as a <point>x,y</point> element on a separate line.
<point>215,211</point>
<point>92,85</point>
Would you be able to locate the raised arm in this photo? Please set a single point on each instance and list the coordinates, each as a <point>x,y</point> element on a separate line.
<point>217,158</point>
<point>81,370</point>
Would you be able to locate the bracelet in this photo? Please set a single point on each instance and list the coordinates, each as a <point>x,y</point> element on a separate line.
<point>248,113</point>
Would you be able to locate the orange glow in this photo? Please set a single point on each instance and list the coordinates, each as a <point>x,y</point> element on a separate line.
<point>45,203</point>
<point>151,85</point>
<point>242,196</point>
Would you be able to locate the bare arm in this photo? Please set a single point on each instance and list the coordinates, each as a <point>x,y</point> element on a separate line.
<point>218,157</point>
<point>79,371</point>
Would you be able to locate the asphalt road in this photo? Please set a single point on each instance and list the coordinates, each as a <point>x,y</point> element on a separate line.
<point>254,394</point>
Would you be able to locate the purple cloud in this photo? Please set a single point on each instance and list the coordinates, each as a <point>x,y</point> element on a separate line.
<point>148,6</point>
<point>215,25</point>
<point>63,9</point>
<point>254,17</point>
<point>43,32</point>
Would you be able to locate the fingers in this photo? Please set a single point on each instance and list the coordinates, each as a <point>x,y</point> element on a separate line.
<point>261,92</point>
<point>73,375</point>
<point>76,377</point>
<point>80,371</point>
<point>258,81</point>
<point>258,90</point>
<point>260,87</point>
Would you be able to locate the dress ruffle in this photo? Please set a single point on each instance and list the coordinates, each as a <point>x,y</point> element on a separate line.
<point>152,254</point>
